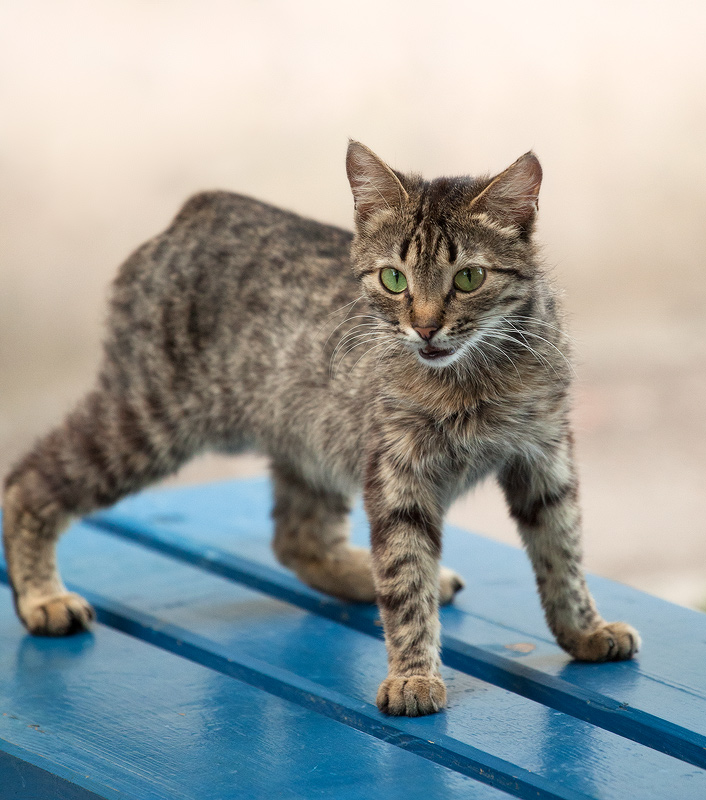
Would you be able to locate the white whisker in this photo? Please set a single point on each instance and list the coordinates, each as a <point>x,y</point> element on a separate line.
<point>500,350</point>
<point>348,306</point>
<point>351,335</point>
<point>366,352</point>
<point>365,338</point>
<point>524,333</point>
<point>538,321</point>
<point>566,360</point>
<point>372,350</point>
<point>540,358</point>
<point>349,319</point>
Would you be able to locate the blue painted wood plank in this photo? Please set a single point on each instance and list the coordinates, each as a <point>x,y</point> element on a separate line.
<point>657,700</point>
<point>490,663</point>
<point>25,775</point>
<point>443,750</point>
<point>542,750</point>
<point>111,715</point>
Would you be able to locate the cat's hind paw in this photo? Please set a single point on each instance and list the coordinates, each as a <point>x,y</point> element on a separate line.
<point>413,696</point>
<point>59,615</point>
<point>450,582</point>
<point>612,641</point>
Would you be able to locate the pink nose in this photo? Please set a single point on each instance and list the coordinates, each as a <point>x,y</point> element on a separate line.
<point>426,333</point>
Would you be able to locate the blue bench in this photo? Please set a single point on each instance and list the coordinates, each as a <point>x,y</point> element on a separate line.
<point>214,674</point>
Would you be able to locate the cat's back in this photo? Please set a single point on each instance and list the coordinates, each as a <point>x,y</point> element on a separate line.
<point>232,229</point>
<point>246,227</point>
<point>229,256</point>
<point>232,214</point>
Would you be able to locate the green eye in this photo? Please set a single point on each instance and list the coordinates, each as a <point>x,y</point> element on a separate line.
<point>469,279</point>
<point>393,280</point>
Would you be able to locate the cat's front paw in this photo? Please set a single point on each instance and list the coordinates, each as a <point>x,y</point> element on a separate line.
<point>59,615</point>
<point>413,696</point>
<point>612,641</point>
<point>450,582</point>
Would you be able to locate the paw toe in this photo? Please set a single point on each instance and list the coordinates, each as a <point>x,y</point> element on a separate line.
<point>613,641</point>
<point>450,583</point>
<point>413,696</point>
<point>62,615</point>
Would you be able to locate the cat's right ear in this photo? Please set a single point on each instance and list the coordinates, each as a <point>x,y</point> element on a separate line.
<point>374,185</point>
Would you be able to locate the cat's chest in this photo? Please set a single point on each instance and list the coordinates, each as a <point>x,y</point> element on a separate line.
<point>473,435</point>
<point>463,419</point>
<point>472,441</point>
<point>473,444</point>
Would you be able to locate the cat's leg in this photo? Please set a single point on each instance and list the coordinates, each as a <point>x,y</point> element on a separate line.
<point>405,526</point>
<point>543,498</point>
<point>106,448</point>
<point>311,538</point>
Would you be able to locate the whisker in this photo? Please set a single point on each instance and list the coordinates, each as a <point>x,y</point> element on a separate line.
<point>485,359</point>
<point>390,346</point>
<point>538,321</point>
<point>361,325</point>
<point>360,344</point>
<point>517,330</point>
<point>537,336</point>
<point>566,360</point>
<point>500,350</point>
<point>353,302</point>
<point>350,319</point>
<point>366,335</point>
<point>351,335</point>
<point>366,338</point>
<point>542,359</point>
<point>348,306</point>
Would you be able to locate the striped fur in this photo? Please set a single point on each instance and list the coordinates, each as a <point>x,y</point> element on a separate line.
<point>243,326</point>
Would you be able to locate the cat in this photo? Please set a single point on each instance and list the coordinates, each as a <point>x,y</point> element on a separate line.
<point>439,358</point>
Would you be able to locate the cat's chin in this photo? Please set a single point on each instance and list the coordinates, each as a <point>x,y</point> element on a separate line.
<point>436,357</point>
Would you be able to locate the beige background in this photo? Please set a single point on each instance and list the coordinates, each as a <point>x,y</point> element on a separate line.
<point>111,113</point>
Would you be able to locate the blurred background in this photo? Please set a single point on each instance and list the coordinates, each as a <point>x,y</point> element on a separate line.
<point>114,112</point>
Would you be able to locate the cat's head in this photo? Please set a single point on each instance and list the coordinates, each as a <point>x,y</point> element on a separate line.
<point>443,263</point>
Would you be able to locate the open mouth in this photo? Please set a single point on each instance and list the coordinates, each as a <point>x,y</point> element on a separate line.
<point>431,353</point>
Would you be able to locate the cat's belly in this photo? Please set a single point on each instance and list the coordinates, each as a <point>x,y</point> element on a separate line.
<point>319,435</point>
<point>471,476</point>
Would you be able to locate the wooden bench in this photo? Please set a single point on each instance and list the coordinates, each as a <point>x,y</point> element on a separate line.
<point>214,674</point>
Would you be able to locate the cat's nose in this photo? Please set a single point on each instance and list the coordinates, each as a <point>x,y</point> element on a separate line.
<point>426,333</point>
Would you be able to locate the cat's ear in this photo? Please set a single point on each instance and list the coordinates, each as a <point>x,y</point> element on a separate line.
<point>512,195</point>
<point>374,185</point>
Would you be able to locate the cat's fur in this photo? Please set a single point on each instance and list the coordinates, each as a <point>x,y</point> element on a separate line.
<point>244,326</point>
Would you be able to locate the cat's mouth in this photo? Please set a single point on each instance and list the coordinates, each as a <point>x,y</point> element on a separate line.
<point>431,353</point>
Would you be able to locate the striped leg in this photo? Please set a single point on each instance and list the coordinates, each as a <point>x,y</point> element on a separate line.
<point>105,449</point>
<point>543,499</point>
<point>405,528</point>
<point>311,538</point>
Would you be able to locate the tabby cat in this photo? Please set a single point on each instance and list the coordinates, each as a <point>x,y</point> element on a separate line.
<point>438,359</point>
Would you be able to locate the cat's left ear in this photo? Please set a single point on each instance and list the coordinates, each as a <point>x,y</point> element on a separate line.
<point>512,196</point>
<point>374,185</point>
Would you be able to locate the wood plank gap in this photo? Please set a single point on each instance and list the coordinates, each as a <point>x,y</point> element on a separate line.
<point>505,673</point>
